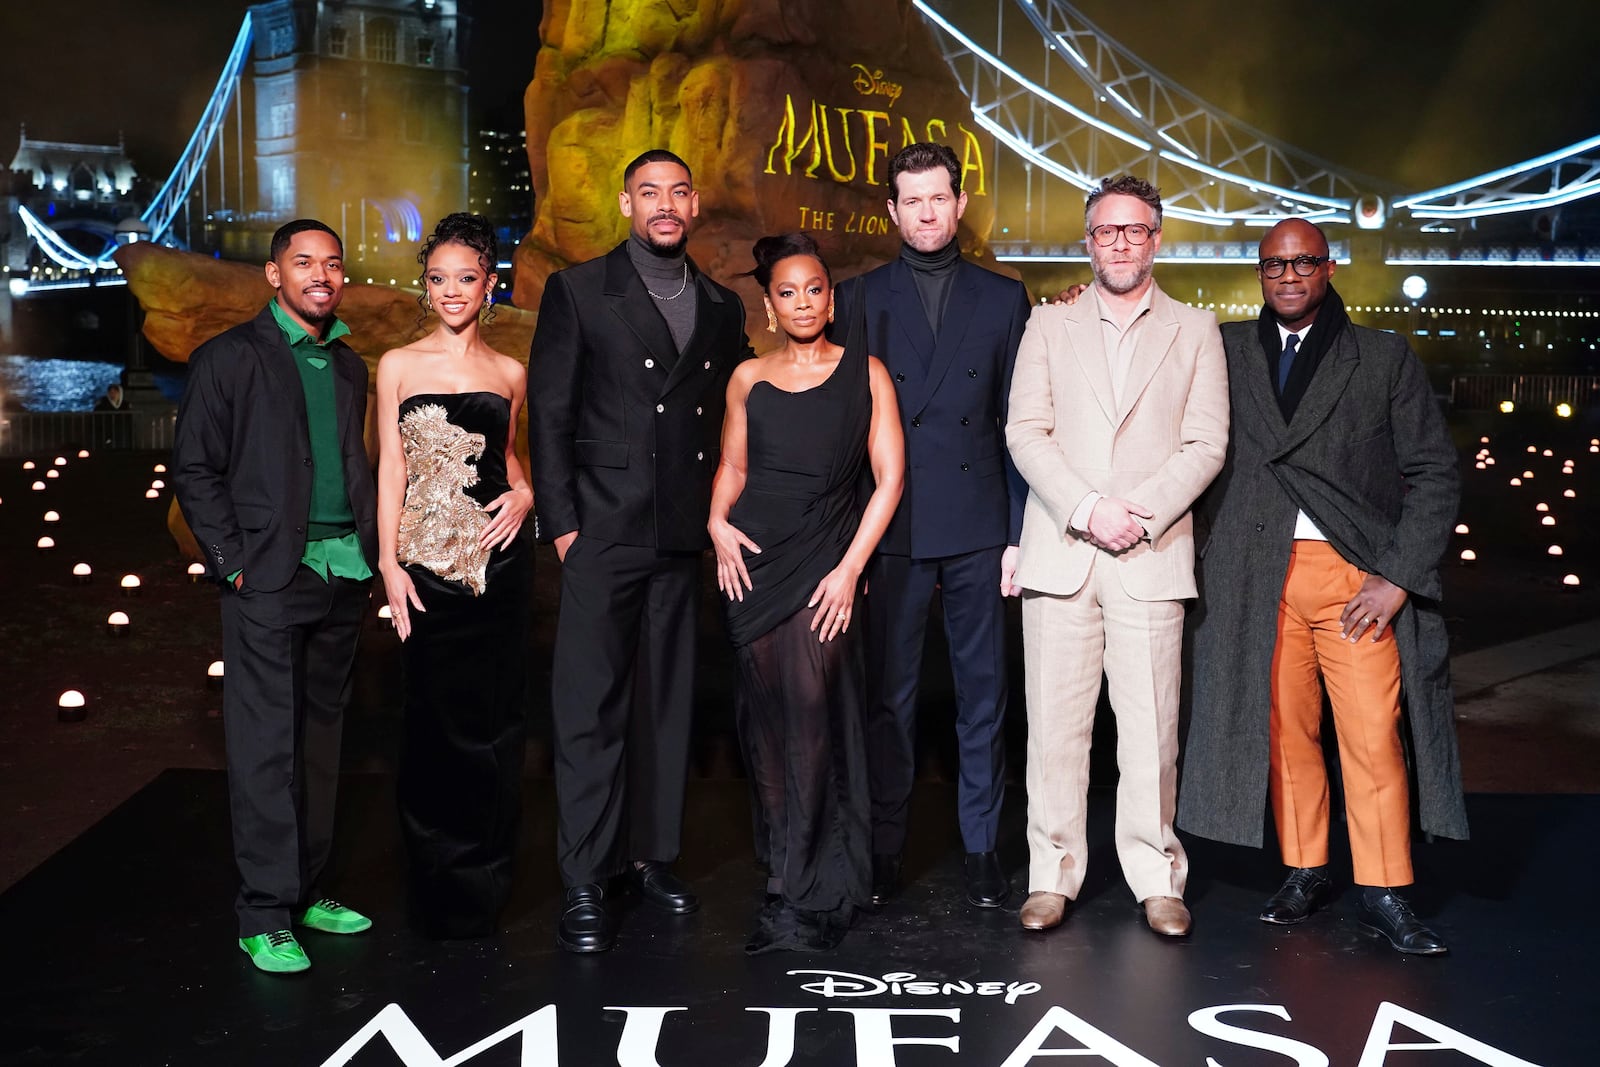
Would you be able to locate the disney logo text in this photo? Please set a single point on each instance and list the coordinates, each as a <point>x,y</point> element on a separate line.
<point>831,984</point>
<point>871,83</point>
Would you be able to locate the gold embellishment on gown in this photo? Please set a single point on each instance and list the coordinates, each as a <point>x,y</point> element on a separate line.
<point>439,523</point>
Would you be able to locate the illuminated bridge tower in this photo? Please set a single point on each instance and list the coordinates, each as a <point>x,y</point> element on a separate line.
<point>361,120</point>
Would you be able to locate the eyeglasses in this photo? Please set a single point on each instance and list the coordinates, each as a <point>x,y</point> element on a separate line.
<point>1137,233</point>
<point>1305,266</point>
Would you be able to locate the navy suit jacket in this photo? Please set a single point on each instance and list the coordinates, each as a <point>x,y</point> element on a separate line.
<point>962,492</point>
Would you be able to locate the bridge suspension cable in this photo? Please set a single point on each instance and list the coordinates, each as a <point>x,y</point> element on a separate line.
<point>165,206</point>
<point>1561,177</point>
<point>1087,107</point>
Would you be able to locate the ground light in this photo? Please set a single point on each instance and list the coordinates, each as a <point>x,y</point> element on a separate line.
<point>70,706</point>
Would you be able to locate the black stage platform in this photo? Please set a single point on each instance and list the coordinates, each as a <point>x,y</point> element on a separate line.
<point>119,950</point>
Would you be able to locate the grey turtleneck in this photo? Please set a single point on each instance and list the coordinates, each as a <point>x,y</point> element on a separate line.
<point>671,289</point>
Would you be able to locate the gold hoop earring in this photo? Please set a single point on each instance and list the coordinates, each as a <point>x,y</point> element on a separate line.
<point>772,321</point>
<point>830,311</point>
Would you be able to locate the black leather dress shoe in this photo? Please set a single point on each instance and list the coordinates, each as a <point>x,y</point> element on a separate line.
<point>1303,892</point>
<point>885,876</point>
<point>586,925</point>
<point>1387,915</point>
<point>658,885</point>
<point>986,882</point>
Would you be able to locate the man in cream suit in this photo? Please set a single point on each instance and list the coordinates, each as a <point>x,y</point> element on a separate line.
<point>1118,420</point>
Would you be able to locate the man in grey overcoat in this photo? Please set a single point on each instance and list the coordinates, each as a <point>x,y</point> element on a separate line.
<point>1320,569</point>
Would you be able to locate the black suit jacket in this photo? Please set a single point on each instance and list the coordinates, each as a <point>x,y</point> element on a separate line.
<point>241,454</point>
<point>962,492</point>
<point>626,432</point>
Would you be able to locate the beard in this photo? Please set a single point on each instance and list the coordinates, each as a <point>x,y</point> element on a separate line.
<point>1123,277</point>
<point>664,248</point>
<point>316,315</point>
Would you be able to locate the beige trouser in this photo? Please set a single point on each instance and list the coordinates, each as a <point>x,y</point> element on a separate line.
<point>1068,641</point>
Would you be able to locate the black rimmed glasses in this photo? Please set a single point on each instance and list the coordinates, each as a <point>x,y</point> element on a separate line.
<point>1305,266</point>
<point>1137,233</point>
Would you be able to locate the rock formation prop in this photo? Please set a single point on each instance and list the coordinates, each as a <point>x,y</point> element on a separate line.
<point>787,111</point>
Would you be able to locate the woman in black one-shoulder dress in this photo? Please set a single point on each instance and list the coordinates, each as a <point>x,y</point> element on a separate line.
<point>792,538</point>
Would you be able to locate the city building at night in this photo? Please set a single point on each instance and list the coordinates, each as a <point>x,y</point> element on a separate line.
<point>360,119</point>
<point>499,186</point>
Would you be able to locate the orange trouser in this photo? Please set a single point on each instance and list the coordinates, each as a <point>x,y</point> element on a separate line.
<point>1363,680</point>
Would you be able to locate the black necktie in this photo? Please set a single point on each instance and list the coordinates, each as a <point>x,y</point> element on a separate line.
<point>1286,360</point>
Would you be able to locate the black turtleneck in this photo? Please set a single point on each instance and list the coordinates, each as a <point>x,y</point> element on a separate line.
<point>671,289</point>
<point>933,273</point>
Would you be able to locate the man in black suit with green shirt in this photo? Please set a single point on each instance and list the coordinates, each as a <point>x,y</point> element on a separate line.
<point>272,475</point>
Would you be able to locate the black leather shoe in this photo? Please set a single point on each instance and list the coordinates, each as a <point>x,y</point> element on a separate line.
<point>986,882</point>
<point>658,885</point>
<point>1303,892</point>
<point>1387,915</point>
<point>885,876</point>
<point>586,925</point>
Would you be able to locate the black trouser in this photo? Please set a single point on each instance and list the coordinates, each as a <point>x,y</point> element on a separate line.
<point>899,592</point>
<point>622,705</point>
<point>288,657</point>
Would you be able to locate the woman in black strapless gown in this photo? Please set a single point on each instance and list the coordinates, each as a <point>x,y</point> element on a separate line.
<point>451,499</point>
<point>791,539</point>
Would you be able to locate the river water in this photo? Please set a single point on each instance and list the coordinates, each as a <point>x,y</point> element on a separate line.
<point>35,383</point>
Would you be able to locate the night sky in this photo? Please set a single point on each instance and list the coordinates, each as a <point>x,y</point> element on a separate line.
<point>1417,94</point>
<point>147,67</point>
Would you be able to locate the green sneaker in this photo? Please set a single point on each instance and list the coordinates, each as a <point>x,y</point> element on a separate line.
<point>275,953</point>
<point>332,917</point>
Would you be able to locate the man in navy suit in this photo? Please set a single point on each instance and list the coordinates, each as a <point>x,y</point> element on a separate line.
<point>948,332</point>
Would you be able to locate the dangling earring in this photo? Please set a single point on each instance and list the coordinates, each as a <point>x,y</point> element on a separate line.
<point>830,311</point>
<point>427,303</point>
<point>772,320</point>
<point>486,313</point>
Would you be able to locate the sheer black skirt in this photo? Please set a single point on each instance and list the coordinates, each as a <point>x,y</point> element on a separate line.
<point>799,714</point>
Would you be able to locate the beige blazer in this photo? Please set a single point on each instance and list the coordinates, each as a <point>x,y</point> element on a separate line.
<point>1160,450</point>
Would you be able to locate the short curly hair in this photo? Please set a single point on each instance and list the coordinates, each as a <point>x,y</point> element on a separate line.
<point>1125,185</point>
<point>462,227</point>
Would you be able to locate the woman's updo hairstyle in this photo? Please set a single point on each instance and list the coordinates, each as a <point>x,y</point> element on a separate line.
<point>463,227</point>
<point>770,251</point>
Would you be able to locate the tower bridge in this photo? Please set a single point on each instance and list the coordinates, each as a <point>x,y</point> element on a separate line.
<point>365,95</point>
<point>1064,101</point>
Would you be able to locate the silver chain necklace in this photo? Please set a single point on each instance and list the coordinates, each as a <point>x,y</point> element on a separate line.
<point>674,296</point>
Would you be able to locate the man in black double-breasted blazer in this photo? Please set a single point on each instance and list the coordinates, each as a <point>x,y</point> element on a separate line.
<point>947,331</point>
<point>627,377</point>
<point>272,475</point>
